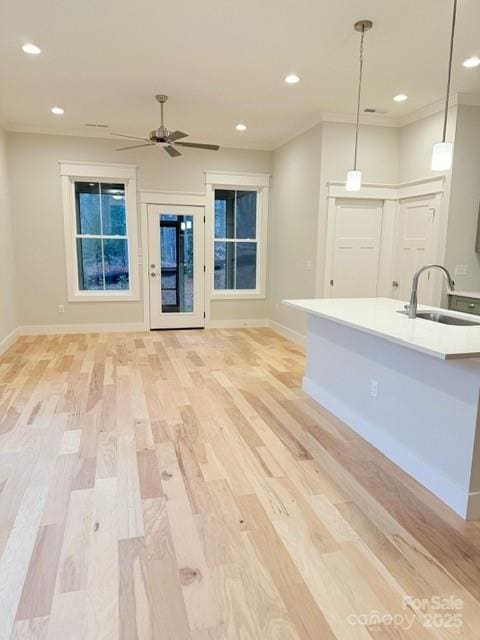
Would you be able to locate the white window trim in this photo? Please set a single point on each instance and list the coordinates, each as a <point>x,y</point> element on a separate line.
<point>239,181</point>
<point>97,172</point>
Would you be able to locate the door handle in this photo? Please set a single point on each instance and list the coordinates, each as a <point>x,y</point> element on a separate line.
<point>153,274</point>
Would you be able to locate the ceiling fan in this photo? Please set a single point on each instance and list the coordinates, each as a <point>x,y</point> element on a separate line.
<point>165,138</point>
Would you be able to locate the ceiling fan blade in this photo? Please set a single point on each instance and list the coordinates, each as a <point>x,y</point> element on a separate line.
<point>176,135</point>
<point>137,146</point>
<point>197,145</point>
<point>122,135</point>
<point>172,152</point>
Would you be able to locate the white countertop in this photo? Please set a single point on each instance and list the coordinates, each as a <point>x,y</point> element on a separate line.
<point>379,317</point>
<point>465,294</point>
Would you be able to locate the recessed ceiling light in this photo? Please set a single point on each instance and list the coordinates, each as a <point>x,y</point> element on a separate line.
<point>58,111</point>
<point>292,78</point>
<point>471,63</point>
<point>401,97</point>
<point>31,48</point>
<point>241,127</point>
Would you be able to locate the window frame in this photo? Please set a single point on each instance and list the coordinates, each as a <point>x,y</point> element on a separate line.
<point>260,183</point>
<point>72,172</point>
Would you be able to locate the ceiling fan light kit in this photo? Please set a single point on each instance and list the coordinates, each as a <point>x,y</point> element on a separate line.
<point>164,138</point>
<point>354,177</point>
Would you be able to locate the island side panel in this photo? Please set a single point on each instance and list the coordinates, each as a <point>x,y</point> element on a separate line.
<point>474,497</point>
<point>424,417</point>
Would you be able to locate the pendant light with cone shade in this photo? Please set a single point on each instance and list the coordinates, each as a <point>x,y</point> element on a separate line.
<point>443,151</point>
<point>354,177</point>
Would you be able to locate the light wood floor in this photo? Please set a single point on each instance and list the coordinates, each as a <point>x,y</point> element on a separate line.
<point>180,485</point>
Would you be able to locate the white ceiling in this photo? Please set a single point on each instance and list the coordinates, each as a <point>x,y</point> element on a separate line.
<point>223,61</point>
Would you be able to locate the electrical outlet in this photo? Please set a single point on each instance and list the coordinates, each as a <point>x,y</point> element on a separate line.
<point>374,389</point>
<point>61,308</point>
<point>461,269</point>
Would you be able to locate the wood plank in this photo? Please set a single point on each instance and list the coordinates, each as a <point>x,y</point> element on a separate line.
<point>73,565</point>
<point>102,616</point>
<point>130,506</point>
<point>34,629</point>
<point>16,556</point>
<point>180,486</point>
<point>39,586</point>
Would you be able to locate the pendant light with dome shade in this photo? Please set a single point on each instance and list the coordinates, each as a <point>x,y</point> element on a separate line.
<point>442,154</point>
<point>354,177</point>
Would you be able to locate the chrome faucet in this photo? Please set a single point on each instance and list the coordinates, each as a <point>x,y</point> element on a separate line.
<point>412,307</point>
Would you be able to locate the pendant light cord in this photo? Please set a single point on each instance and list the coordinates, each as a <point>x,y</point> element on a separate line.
<point>449,77</point>
<point>358,99</point>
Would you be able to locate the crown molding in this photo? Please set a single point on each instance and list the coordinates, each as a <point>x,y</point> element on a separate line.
<point>228,144</point>
<point>457,100</point>
<point>373,119</point>
<point>297,132</point>
<point>426,111</point>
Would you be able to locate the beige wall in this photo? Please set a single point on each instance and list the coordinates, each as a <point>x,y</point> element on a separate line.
<point>416,141</point>
<point>301,170</point>
<point>293,225</point>
<point>378,160</point>
<point>465,199</point>
<point>8,312</point>
<point>37,205</point>
<point>378,152</point>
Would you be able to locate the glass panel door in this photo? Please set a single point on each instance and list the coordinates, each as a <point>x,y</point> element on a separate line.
<point>176,239</point>
<point>176,251</point>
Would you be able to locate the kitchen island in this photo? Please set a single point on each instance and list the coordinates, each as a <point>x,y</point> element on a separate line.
<point>410,387</point>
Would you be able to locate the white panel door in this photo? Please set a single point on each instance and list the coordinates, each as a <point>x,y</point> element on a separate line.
<point>176,240</point>
<point>415,247</point>
<point>356,248</point>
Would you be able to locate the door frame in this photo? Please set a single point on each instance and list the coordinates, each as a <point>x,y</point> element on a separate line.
<point>390,195</point>
<point>168,198</point>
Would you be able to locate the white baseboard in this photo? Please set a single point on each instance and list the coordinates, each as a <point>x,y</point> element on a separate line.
<point>112,327</point>
<point>453,495</point>
<point>473,509</point>
<point>102,327</point>
<point>286,332</point>
<point>237,324</point>
<point>9,339</point>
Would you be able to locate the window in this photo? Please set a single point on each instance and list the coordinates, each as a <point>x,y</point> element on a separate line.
<point>239,228</point>
<point>235,246</point>
<point>100,232</point>
<point>101,236</point>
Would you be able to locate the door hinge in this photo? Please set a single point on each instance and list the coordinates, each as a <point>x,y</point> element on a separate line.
<point>395,284</point>
<point>204,219</point>
<point>204,314</point>
<point>332,283</point>
<point>204,268</point>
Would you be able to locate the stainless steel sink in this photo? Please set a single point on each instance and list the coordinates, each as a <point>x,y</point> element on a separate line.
<point>444,318</point>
